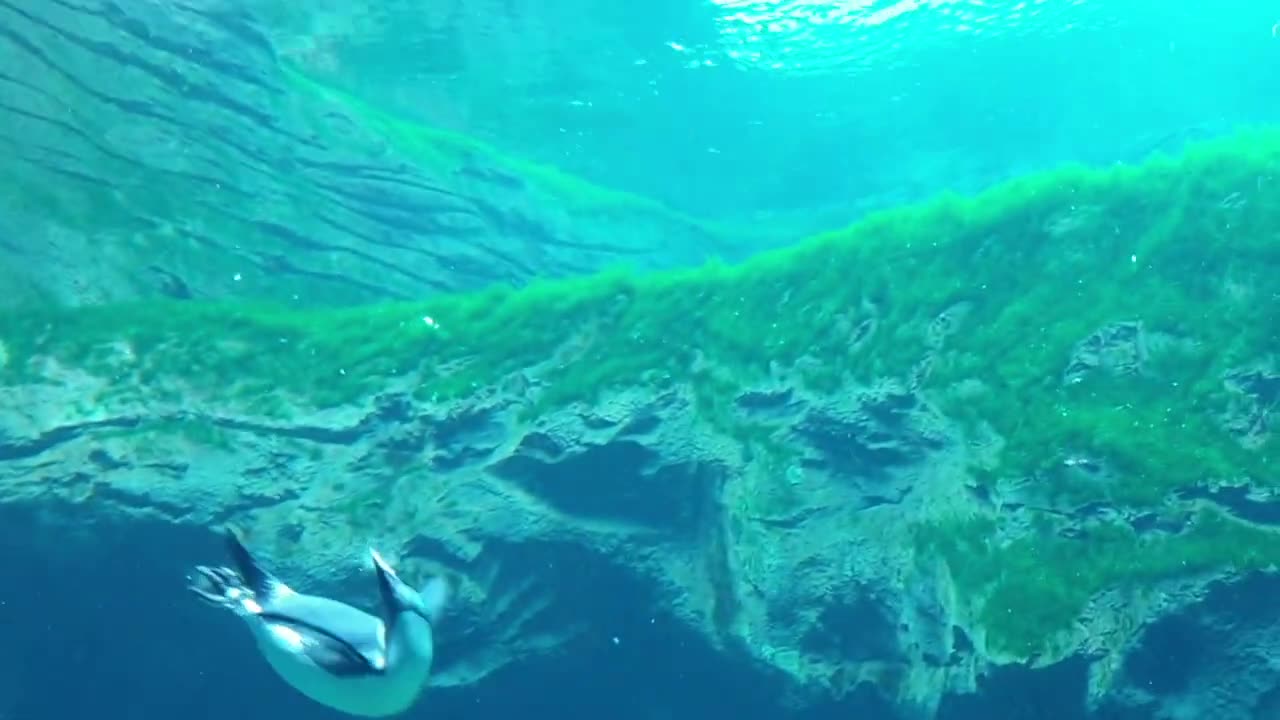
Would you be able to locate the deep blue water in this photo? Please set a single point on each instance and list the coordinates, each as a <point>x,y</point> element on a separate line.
<point>109,631</point>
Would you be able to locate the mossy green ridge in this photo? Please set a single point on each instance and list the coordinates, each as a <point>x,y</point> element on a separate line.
<point>1185,245</point>
<point>1034,586</point>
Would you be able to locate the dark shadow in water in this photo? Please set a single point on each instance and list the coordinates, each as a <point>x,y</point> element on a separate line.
<point>106,629</point>
<point>1020,693</point>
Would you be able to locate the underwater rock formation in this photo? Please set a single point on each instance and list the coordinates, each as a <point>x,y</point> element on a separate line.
<point>954,450</point>
<point>165,150</point>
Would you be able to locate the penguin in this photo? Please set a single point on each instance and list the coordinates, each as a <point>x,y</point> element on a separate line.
<point>331,652</point>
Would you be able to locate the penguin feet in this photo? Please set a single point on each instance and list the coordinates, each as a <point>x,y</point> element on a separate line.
<point>218,586</point>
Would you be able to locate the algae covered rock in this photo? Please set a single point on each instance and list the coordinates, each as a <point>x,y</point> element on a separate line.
<point>157,150</point>
<point>954,450</point>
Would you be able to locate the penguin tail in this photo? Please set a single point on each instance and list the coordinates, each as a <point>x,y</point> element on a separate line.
<point>260,582</point>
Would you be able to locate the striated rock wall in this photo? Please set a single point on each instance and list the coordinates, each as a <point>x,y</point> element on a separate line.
<point>984,453</point>
<point>165,149</point>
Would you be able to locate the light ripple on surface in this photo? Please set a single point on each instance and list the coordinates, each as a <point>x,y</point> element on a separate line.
<point>809,36</point>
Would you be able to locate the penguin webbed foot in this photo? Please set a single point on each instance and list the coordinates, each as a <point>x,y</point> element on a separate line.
<point>219,586</point>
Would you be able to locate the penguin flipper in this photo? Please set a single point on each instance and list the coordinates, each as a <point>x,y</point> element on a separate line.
<point>398,597</point>
<point>434,595</point>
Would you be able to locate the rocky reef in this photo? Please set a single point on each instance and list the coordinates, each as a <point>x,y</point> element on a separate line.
<point>1018,440</point>
<point>168,149</point>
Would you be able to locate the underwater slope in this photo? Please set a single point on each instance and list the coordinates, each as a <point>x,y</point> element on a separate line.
<point>1029,427</point>
<point>160,149</point>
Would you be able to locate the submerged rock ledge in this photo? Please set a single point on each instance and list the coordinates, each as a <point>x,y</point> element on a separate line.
<point>978,439</point>
<point>169,150</point>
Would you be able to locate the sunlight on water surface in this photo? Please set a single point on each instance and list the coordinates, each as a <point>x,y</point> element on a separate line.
<point>805,36</point>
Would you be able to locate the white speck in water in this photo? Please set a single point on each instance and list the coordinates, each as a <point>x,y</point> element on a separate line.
<point>795,475</point>
<point>617,640</point>
<point>1133,259</point>
<point>236,277</point>
<point>342,371</point>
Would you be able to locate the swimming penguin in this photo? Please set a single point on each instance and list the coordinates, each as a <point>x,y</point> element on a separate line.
<point>332,652</point>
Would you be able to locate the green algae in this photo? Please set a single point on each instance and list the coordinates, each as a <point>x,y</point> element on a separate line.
<point>1035,585</point>
<point>1185,246</point>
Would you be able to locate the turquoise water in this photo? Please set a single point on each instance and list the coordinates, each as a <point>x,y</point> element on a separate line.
<point>879,477</point>
<point>728,107</point>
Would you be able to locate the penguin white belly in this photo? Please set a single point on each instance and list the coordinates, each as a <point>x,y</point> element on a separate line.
<point>388,693</point>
